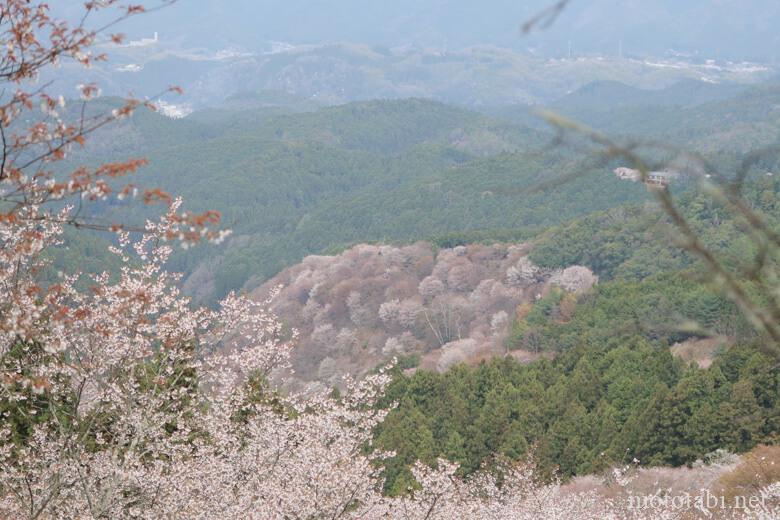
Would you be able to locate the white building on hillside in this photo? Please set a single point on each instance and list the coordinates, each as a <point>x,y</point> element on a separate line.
<point>654,179</point>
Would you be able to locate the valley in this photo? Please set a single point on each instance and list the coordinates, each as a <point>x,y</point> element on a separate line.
<point>416,260</point>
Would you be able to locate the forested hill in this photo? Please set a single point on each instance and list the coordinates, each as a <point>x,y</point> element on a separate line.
<point>292,179</point>
<point>381,126</point>
<point>653,352</point>
<point>614,95</point>
<point>299,183</point>
<point>708,118</point>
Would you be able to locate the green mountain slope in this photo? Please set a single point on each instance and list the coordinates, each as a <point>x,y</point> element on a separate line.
<point>716,123</point>
<point>615,389</point>
<point>292,183</point>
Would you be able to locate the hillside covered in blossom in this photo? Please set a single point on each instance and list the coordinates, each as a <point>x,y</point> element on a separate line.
<point>434,309</point>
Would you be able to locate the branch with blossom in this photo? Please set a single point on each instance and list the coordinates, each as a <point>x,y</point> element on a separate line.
<point>34,146</point>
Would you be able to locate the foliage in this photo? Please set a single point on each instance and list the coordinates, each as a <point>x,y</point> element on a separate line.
<point>298,184</point>
<point>585,411</point>
<point>633,242</point>
<point>666,308</point>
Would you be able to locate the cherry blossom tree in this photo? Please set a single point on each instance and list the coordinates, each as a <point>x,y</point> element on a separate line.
<point>38,130</point>
<point>125,401</point>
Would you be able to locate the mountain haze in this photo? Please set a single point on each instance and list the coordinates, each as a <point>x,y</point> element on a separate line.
<point>645,27</point>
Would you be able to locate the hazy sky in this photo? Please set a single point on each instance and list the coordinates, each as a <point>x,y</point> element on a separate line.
<point>733,29</point>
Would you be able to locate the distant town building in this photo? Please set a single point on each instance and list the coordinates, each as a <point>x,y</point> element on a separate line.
<point>661,179</point>
<point>143,42</point>
<point>627,174</point>
<point>654,179</point>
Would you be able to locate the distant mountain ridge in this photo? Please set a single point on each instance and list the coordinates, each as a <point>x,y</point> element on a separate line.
<point>613,95</point>
<point>718,119</point>
<point>338,73</point>
<point>727,29</point>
